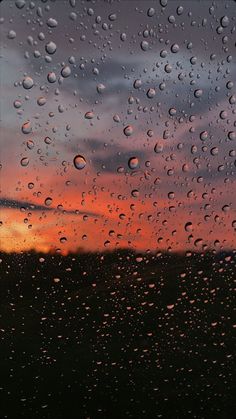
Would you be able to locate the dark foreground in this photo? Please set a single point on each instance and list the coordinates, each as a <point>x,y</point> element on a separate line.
<point>117,337</point>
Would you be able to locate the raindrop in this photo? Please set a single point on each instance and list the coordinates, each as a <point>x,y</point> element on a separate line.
<point>151,93</point>
<point>128,130</point>
<point>89,115</point>
<point>198,93</point>
<point>11,34</point>
<point>66,71</point>
<point>26,127</point>
<point>20,3</point>
<point>135,193</point>
<point>51,47</point>
<point>203,135</point>
<point>28,82</point>
<point>137,83</point>
<point>79,162</point>
<point>214,151</point>
<point>144,45</point>
<point>41,101</point>
<point>100,88</point>
<point>188,227</point>
<point>175,48</point>
<point>17,104</point>
<point>224,21</point>
<point>52,23</point>
<point>158,147</point>
<point>133,163</point>
<point>151,12</point>
<point>51,77</point>
<point>48,201</point>
<point>24,162</point>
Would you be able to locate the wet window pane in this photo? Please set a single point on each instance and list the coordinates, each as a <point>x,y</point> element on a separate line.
<point>117,209</point>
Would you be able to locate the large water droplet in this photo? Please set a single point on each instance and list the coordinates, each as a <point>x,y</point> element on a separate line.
<point>26,127</point>
<point>48,201</point>
<point>79,162</point>
<point>24,162</point>
<point>128,130</point>
<point>66,71</point>
<point>144,45</point>
<point>51,77</point>
<point>28,82</point>
<point>133,163</point>
<point>52,23</point>
<point>51,47</point>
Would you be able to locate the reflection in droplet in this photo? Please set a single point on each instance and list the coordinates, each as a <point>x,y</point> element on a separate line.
<point>51,47</point>
<point>48,201</point>
<point>28,83</point>
<point>24,162</point>
<point>26,127</point>
<point>133,162</point>
<point>128,130</point>
<point>66,71</point>
<point>79,162</point>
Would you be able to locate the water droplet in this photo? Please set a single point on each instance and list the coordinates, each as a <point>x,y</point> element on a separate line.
<point>231,135</point>
<point>20,3</point>
<point>188,227</point>
<point>151,93</point>
<point>172,111</point>
<point>198,93</point>
<point>223,115</point>
<point>51,77</point>
<point>17,104</point>
<point>51,47</point>
<point>11,34</point>
<point>151,12</point>
<point>26,127</point>
<point>128,130</point>
<point>116,118</point>
<point>79,162</point>
<point>171,195</point>
<point>48,201</point>
<point>144,45</point>
<point>24,162</point>
<point>41,101</point>
<point>175,48</point>
<point>47,140</point>
<point>137,83</point>
<point>168,68</point>
<point>89,115</point>
<point>158,147</point>
<point>66,71</point>
<point>30,144</point>
<point>214,151</point>
<point>133,163</point>
<point>28,83</point>
<point>52,23</point>
<point>112,17</point>
<point>204,135</point>
<point>224,21</point>
<point>135,193</point>
<point>225,208</point>
<point>100,88</point>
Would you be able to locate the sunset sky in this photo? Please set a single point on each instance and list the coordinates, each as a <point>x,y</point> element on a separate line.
<point>74,76</point>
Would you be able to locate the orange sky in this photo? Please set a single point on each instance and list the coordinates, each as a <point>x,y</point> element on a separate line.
<point>180,178</point>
